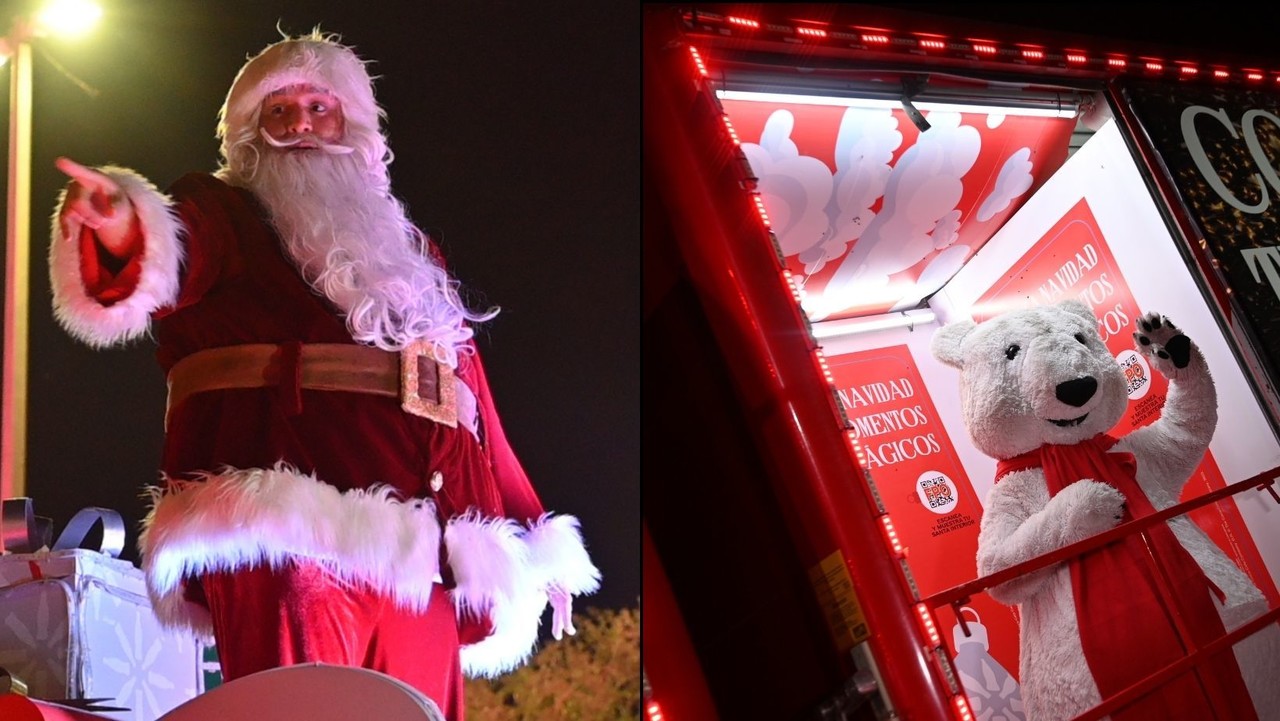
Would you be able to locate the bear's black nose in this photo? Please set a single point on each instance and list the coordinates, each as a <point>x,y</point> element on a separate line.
<point>1077,392</point>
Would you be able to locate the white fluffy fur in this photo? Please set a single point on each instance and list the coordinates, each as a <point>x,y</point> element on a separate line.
<point>1006,405</point>
<point>241,518</point>
<point>505,570</point>
<point>245,517</point>
<point>84,317</point>
<point>558,555</point>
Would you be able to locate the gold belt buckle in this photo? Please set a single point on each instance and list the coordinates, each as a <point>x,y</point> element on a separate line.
<point>426,385</point>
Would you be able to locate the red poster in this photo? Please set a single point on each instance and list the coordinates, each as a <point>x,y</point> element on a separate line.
<point>1073,260</point>
<point>923,486</point>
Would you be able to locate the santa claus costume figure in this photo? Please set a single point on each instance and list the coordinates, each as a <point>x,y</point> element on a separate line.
<point>337,487</point>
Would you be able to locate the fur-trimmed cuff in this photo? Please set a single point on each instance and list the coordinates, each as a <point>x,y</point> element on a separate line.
<point>504,571</point>
<point>559,556</point>
<point>81,314</point>
<point>241,518</point>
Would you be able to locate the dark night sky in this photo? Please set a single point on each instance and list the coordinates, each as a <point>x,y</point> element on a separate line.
<point>515,128</point>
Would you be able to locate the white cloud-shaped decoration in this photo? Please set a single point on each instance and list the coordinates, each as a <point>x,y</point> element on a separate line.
<point>947,231</point>
<point>795,188</point>
<point>924,187</point>
<point>1014,180</point>
<point>864,147</point>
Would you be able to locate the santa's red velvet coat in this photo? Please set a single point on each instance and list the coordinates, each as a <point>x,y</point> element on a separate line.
<point>264,476</point>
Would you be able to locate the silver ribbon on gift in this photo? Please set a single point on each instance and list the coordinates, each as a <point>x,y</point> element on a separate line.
<point>21,529</point>
<point>11,684</point>
<point>74,535</point>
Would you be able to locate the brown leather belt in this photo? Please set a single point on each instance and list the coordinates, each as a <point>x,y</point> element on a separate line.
<point>424,386</point>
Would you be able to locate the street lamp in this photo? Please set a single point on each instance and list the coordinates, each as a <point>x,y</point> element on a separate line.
<point>62,17</point>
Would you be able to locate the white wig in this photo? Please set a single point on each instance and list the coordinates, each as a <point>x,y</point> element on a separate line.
<point>316,60</point>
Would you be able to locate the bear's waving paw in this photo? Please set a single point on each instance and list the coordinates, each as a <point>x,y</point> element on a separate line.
<point>1162,343</point>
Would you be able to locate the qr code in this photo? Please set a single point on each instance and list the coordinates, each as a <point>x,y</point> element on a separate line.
<point>1135,375</point>
<point>937,492</point>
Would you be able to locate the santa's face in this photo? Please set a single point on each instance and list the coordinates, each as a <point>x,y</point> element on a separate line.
<point>298,116</point>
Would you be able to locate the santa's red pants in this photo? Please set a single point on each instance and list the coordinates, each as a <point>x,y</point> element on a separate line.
<point>302,613</point>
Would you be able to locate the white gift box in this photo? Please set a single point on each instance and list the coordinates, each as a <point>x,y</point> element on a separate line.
<point>78,624</point>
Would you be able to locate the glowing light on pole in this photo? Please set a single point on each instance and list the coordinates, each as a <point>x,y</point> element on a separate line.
<point>61,17</point>
<point>69,18</point>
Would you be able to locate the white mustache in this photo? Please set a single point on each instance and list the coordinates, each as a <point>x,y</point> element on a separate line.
<point>330,148</point>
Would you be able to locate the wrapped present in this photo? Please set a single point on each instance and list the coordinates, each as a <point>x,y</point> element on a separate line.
<point>76,623</point>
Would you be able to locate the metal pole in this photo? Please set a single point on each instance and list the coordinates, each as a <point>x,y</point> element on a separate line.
<point>13,425</point>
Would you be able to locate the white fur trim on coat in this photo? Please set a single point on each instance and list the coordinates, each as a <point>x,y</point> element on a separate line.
<point>505,570</point>
<point>240,518</point>
<point>84,317</point>
<point>559,557</point>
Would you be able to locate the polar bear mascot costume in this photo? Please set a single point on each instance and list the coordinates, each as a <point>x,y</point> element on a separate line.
<point>1039,392</point>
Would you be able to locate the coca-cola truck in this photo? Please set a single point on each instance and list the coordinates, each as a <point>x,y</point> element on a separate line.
<point>825,188</point>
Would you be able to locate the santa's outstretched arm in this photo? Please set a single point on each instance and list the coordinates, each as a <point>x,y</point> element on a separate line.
<point>114,255</point>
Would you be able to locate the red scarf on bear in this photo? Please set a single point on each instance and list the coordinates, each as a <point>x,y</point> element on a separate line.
<point>1125,626</point>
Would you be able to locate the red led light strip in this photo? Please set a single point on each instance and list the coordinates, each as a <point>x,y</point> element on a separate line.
<point>654,711</point>
<point>764,215</point>
<point>798,295</point>
<point>891,536</point>
<point>733,134</point>
<point>826,369</point>
<point>857,448</point>
<point>961,704</point>
<point>981,47</point>
<point>697,59</point>
<point>926,623</point>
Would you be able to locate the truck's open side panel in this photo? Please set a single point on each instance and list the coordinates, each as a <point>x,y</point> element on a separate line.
<point>820,197</point>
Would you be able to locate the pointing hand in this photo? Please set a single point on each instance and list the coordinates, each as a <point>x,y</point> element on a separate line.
<point>95,200</point>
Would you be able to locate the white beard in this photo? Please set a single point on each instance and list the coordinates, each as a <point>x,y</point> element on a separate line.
<point>351,241</point>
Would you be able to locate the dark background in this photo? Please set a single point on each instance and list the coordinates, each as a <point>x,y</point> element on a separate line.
<point>515,132</point>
